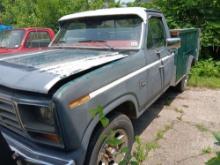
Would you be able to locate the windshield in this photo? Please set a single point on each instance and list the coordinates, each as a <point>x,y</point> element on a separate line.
<point>118,32</point>
<point>11,38</point>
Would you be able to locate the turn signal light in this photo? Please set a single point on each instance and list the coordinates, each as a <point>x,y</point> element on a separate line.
<point>80,101</point>
<point>45,136</point>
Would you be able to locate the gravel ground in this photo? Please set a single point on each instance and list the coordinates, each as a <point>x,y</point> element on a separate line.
<point>183,125</point>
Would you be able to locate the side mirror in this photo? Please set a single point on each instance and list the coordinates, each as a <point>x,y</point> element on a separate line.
<point>173,43</point>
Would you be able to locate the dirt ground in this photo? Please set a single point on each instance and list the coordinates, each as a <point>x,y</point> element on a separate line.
<point>182,125</point>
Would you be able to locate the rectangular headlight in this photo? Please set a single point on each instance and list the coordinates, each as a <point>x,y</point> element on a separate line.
<point>39,118</point>
<point>39,122</point>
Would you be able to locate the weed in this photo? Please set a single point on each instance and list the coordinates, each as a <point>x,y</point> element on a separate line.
<point>207,150</point>
<point>201,128</point>
<point>216,159</point>
<point>140,152</point>
<point>217,136</point>
<point>205,74</point>
<point>152,146</point>
<point>178,110</point>
<point>179,118</point>
<point>160,133</point>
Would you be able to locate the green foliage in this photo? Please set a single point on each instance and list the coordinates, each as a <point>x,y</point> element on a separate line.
<point>192,13</point>
<point>207,150</point>
<point>206,73</point>
<point>207,68</point>
<point>216,159</point>
<point>160,134</point>
<point>179,14</point>
<point>140,151</point>
<point>209,82</point>
<point>217,136</point>
<point>45,13</point>
<point>151,146</point>
<point>100,113</point>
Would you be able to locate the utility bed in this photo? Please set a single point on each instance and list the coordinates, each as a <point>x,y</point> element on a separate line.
<point>190,47</point>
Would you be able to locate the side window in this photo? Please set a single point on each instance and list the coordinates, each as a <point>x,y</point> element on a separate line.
<point>38,39</point>
<point>156,33</point>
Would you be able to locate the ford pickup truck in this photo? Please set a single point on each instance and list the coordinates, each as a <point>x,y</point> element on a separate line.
<point>122,59</point>
<point>24,40</point>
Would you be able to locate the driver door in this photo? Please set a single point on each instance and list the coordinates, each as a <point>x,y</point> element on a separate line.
<point>155,51</point>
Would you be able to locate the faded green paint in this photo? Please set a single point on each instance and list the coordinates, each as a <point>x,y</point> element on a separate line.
<point>189,46</point>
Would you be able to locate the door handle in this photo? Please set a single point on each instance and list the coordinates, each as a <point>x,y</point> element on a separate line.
<point>161,67</point>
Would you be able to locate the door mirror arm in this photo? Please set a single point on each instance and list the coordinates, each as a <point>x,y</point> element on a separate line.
<point>173,43</point>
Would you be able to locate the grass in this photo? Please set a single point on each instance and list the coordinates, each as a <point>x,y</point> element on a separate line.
<point>142,150</point>
<point>209,82</point>
<point>160,133</point>
<point>207,150</point>
<point>152,145</point>
<point>201,128</point>
<point>206,73</point>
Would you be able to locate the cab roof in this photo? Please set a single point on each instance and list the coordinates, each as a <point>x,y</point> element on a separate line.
<point>139,11</point>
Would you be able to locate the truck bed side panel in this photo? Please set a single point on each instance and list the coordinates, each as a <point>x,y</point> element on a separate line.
<point>189,47</point>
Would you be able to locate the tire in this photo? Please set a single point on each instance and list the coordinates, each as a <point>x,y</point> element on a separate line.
<point>181,86</point>
<point>98,141</point>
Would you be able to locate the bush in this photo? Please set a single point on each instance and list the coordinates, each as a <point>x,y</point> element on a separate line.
<point>206,68</point>
<point>192,13</point>
<point>206,73</point>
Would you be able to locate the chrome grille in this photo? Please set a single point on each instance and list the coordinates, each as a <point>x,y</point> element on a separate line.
<point>8,116</point>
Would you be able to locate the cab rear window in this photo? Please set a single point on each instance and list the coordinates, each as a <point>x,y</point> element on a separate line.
<point>38,39</point>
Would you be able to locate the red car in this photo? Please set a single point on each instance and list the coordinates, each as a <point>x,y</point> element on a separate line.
<point>25,39</point>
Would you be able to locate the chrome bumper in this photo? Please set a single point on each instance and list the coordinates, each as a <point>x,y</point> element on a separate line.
<point>29,156</point>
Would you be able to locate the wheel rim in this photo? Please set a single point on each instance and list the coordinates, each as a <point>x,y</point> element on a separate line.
<point>113,155</point>
<point>185,82</point>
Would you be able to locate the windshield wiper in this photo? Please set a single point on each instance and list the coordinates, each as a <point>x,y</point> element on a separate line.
<point>101,41</point>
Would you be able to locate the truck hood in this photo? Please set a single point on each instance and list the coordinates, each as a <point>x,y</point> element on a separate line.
<point>40,71</point>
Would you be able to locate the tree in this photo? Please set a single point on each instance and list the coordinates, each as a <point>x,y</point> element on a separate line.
<point>192,13</point>
<point>23,13</point>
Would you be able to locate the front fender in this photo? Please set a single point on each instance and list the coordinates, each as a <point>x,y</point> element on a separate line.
<point>108,109</point>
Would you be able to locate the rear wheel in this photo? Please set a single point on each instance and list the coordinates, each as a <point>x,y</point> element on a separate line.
<point>181,86</point>
<point>101,151</point>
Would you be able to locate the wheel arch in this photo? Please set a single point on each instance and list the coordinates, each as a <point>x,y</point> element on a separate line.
<point>118,105</point>
<point>191,62</point>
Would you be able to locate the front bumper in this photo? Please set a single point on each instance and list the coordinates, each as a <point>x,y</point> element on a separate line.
<point>29,156</point>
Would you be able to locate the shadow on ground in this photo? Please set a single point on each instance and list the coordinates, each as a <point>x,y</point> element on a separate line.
<point>153,111</point>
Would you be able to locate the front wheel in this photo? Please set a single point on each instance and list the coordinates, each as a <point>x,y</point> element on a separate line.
<point>103,151</point>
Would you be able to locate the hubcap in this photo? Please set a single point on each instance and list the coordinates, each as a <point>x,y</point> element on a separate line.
<point>110,154</point>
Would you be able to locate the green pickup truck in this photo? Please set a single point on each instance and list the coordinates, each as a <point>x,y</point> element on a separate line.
<point>123,59</point>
